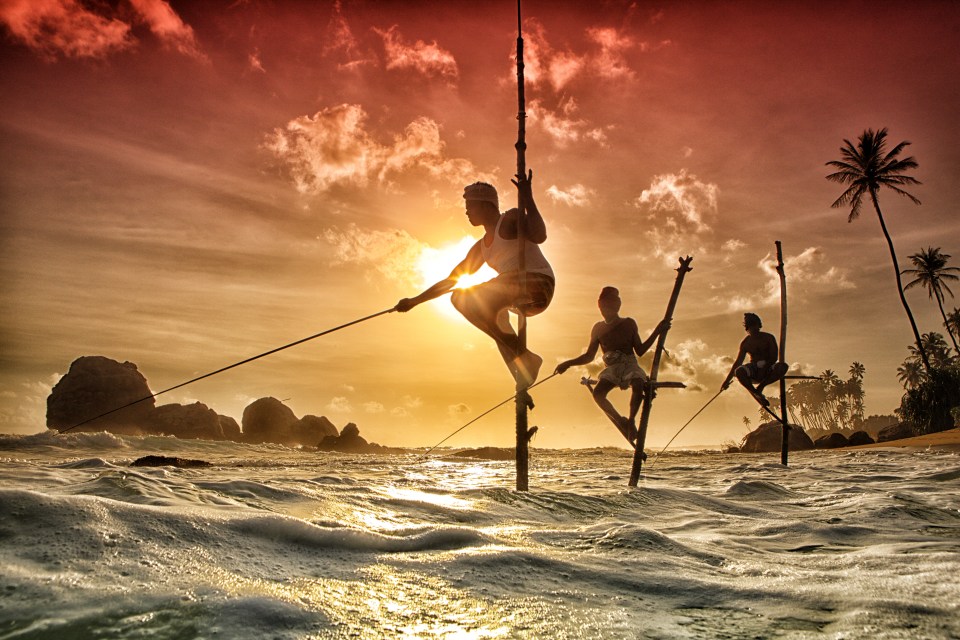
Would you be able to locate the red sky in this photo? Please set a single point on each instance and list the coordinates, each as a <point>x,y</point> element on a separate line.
<point>188,184</point>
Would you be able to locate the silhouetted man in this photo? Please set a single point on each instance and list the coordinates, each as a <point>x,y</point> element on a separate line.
<point>620,340</point>
<point>487,305</point>
<point>763,367</point>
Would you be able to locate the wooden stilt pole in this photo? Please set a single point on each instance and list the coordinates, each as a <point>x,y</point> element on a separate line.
<point>651,390</point>
<point>784,419</point>
<point>523,398</point>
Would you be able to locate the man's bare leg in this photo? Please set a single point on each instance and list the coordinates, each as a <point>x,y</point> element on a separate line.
<point>600,397</point>
<point>486,309</point>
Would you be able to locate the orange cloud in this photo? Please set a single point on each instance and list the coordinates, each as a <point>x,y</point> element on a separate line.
<point>393,254</point>
<point>164,23</point>
<point>64,27</point>
<point>333,147</point>
<point>427,59</point>
<point>70,29</point>
<point>575,196</point>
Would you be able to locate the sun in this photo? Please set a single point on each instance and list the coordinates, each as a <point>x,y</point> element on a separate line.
<point>435,264</point>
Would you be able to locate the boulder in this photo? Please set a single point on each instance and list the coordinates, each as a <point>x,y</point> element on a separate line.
<point>895,432</point>
<point>768,436</point>
<point>95,385</point>
<point>167,461</point>
<point>230,429</point>
<point>310,430</point>
<point>197,421</point>
<point>349,441</point>
<point>268,420</point>
<point>858,438</point>
<point>831,441</point>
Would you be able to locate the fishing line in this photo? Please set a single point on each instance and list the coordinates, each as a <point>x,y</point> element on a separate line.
<point>684,427</point>
<point>490,410</point>
<point>228,367</point>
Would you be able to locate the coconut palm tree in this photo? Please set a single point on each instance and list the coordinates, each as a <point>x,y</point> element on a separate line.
<point>910,373</point>
<point>953,321</point>
<point>857,370</point>
<point>932,273</point>
<point>866,167</point>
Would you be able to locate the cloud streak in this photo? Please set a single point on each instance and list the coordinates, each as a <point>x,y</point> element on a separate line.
<point>427,59</point>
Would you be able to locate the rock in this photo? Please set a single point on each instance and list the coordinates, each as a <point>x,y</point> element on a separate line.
<point>268,420</point>
<point>166,461</point>
<point>349,441</point>
<point>831,441</point>
<point>230,429</point>
<point>768,436</point>
<point>487,453</point>
<point>731,449</point>
<point>310,430</point>
<point>95,385</point>
<point>858,438</point>
<point>197,421</point>
<point>895,432</point>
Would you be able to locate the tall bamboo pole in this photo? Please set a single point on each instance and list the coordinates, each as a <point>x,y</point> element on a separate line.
<point>651,391</point>
<point>523,398</point>
<point>785,442</point>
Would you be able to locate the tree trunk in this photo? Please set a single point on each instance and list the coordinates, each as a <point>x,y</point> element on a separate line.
<point>896,272</point>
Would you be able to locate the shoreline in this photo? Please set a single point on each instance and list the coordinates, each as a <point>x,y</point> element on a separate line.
<point>948,440</point>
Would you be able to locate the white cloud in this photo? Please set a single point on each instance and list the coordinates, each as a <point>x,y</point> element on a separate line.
<point>610,62</point>
<point>733,245</point>
<point>574,196</point>
<point>391,254</point>
<point>427,59</point>
<point>334,147</point>
<point>340,404</point>
<point>458,410</point>
<point>680,209</point>
<point>373,407</point>
<point>412,402</point>
<point>254,61</point>
<point>562,125</point>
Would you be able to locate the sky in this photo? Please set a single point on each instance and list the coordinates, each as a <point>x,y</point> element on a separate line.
<point>185,185</point>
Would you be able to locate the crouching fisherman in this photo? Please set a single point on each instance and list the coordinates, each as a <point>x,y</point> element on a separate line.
<point>487,305</point>
<point>619,338</point>
<point>763,368</point>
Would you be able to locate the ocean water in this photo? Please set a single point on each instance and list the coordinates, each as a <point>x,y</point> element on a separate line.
<point>271,542</point>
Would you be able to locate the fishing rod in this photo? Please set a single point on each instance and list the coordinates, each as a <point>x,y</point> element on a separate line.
<point>235,364</point>
<point>490,410</point>
<point>709,402</point>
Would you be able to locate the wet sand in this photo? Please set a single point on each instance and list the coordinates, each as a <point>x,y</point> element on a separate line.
<point>947,440</point>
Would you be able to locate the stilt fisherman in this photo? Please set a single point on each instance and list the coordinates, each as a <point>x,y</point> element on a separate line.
<point>487,305</point>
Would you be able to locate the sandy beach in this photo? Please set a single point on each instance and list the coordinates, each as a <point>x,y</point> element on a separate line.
<point>947,440</point>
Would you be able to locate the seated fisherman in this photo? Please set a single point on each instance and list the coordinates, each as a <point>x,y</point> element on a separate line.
<point>487,305</point>
<point>620,340</point>
<point>763,368</point>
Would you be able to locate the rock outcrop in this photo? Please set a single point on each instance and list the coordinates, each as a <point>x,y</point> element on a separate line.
<point>269,420</point>
<point>895,432</point>
<point>768,436</point>
<point>95,385</point>
<point>831,441</point>
<point>197,421</point>
<point>349,441</point>
<point>858,438</point>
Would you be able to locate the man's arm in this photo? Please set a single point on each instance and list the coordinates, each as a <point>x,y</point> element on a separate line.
<point>586,358</point>
<point>641,348</point>
<point>470,264</point>
<point>736,363</point>
<point>535,230</point>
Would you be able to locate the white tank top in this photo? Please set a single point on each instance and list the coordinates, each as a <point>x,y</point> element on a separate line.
<point>502,254</point>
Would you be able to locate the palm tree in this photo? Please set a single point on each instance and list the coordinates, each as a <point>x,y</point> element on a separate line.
<point>910,373</point>
<point>953,321</point>
<point>857,370</point>
<point>867,167</point>
<point>937,349</point>
<point>931,273</point>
